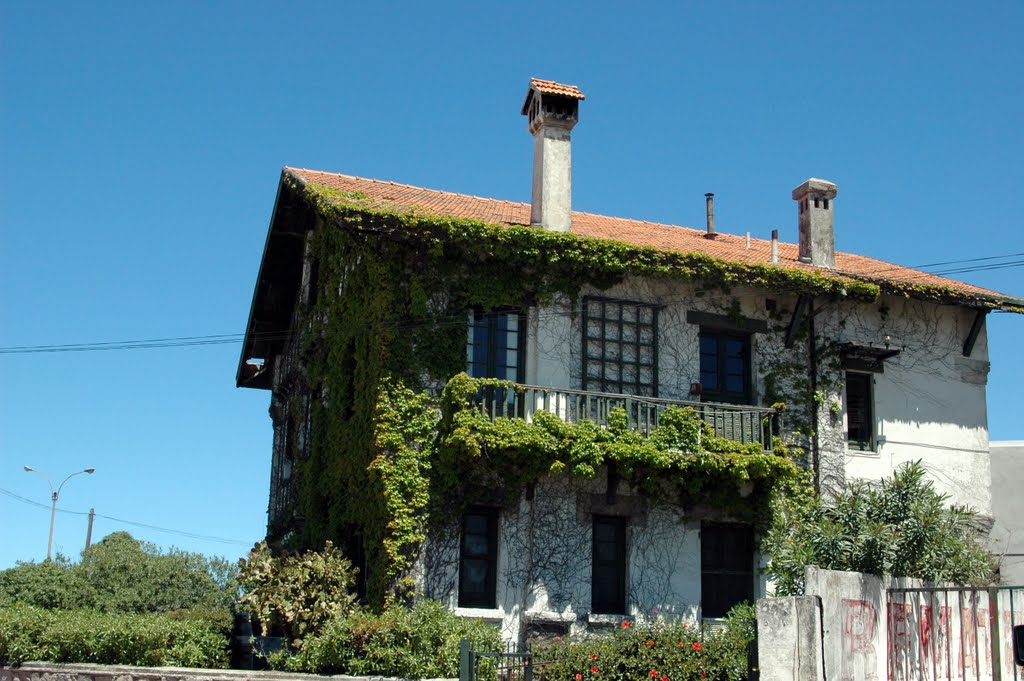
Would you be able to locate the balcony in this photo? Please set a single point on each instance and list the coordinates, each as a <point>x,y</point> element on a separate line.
<point>740,423</point>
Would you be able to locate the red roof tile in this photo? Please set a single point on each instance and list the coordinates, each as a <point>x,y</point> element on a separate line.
<point>637,232</point>
<point>550,87</point>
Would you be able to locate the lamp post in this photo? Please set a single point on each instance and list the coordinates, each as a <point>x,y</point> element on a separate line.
<point>55,494</point>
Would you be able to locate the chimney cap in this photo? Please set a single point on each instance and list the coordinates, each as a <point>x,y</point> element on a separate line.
<point>550,87</point>
<point>828,189</point>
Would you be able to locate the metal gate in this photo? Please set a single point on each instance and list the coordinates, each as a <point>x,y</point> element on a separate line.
<point>485,666</point>
<point>953,633</point>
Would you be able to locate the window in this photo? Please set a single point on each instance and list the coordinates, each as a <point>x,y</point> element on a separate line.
<point>860,418</point>
<point>608,577</point>
<point>494,347</point>
<point>478,559</point>
<point>726,567</point>
<point>725,366</point>
<point>620,349</point>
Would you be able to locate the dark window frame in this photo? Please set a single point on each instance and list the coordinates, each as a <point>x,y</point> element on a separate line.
<point>490,318</point>
<point>611,571</point>
<point>612,344</point>
<point>488,596</point>
<point>860,407</point>
<point>726,575</point>
<point>721,337</point>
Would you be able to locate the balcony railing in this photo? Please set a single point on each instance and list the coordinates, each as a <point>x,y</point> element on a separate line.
<point>739,423</point>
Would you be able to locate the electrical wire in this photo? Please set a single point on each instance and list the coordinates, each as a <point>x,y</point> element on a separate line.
<point>401,324</point>
<point>166,530</point>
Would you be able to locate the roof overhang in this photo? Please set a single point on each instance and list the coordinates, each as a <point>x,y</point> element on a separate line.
<point>277,286</point>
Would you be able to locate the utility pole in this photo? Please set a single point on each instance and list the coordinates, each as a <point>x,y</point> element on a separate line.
<point>88,533</point>
<point>55,494</point>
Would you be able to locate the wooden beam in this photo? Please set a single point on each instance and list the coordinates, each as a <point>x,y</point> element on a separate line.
<point>972,335</point>
<point>799,311</point>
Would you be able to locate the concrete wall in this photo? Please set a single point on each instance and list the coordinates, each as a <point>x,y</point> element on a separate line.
<point>46,671</point>
<point>1008,510</point>
<point>870,631</point>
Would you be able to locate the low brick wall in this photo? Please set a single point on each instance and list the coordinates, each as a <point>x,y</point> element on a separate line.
<point>48,671</point>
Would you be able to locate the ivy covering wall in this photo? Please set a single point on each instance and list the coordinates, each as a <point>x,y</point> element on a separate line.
<point>394,442</point>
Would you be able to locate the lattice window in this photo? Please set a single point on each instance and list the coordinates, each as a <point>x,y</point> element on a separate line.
<point>620,347</point>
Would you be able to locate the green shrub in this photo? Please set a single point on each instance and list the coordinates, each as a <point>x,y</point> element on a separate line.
<point>661,649</point>
<point>417,643</point>
<point>900,526</point>
<point>30,633</point>
<point>296,595</point>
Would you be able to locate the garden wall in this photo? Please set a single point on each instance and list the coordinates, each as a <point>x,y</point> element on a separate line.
<point>45,671</point>
<point>856,627</point>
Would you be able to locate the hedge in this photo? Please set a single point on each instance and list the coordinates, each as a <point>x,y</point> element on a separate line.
<point>86,636</point>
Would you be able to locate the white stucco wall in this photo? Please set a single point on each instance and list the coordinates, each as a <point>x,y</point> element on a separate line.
<point>544,561</point>
<point>1007,538</point>
<point>929,402</point>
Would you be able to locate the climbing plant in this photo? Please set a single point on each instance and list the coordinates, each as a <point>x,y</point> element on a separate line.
<point>394,442</point>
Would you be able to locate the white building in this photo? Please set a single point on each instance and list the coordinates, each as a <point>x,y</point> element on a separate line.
<point>877,365</point>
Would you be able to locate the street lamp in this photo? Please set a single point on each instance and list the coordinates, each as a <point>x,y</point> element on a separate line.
<point>53,509</point>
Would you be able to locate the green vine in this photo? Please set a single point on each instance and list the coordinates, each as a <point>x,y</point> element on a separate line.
<point>395,444</point>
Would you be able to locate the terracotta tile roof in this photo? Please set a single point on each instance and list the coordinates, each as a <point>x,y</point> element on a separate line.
<point>550,87</point>
<point>637,232</point>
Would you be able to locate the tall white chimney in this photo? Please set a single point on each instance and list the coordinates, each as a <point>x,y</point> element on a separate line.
<point>552,110</point>
<point>815,206</point>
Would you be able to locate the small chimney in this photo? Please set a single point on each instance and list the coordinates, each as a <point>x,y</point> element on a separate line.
<point>815,203</point>
<point>775,247</point>
<point>709,198</point>
<point>552,110</point>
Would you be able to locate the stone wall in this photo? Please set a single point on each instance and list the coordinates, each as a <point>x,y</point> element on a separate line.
<point>46,671</point>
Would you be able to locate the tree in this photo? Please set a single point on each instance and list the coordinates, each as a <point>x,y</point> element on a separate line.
<point>900,527</point>
<point>123,575</point>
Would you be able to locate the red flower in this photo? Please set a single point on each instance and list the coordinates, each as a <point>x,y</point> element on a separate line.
<point>664,678</point>
<point>696,645</point>
<point>593,656</point>
<point>682,645</point>
<point>579,677</point>
<point>654,611</point>
<point>650,642</point>
<point>654,673</point>
<point>593,670</point>
<point>625,624</point>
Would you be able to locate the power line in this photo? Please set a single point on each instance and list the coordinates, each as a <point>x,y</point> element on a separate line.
<point>180,533</point>
<point>443,321</point>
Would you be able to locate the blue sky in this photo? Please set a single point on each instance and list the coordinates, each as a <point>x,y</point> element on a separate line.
<point>141,145</point>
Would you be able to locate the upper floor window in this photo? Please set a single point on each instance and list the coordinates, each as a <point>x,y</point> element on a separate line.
<point>726,567</point>
<point>725,366</point>
<point>608,571</point>
<point>478,558</point>
<point>620,347</point>
<point>860,417</point>
<point>495,345</point>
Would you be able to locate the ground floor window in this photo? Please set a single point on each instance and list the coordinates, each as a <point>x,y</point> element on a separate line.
<point>608,578</point>
<point>478,558</point>
<point>726,567</point>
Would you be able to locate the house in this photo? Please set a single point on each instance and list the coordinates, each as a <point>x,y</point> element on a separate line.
<point>1007,537</point>
<point>634,393</point>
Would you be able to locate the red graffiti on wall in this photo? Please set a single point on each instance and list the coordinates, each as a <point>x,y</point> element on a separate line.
<point>900,647</point>
<point>935,640</point>
<point>860,622</point>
